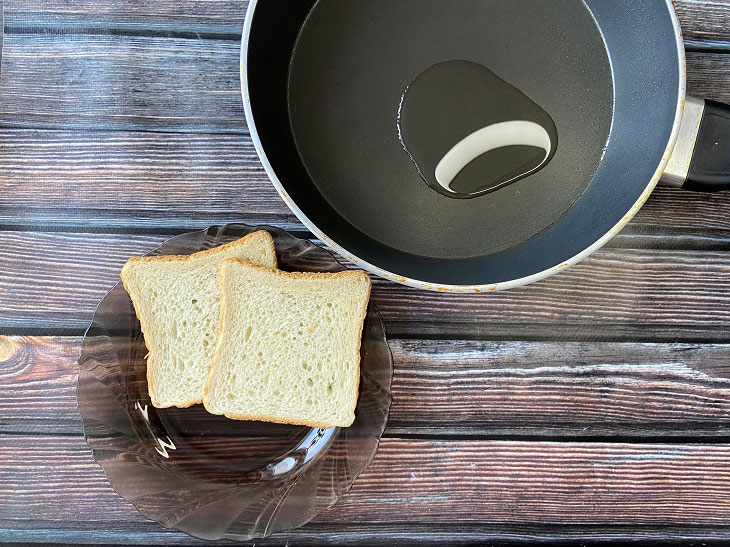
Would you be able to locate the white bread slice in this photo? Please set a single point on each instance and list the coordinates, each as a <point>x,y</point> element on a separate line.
<point>288,350</point>
<point>176,299</point>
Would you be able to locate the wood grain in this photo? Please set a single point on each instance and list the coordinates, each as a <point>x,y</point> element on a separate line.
<point>54,479</point>
<point>704,20</point>
<point>373,534</point>
<point>701,21</point>
<point>617,294</point>
<point>515,389</point>
<point>24,303</point>
<point>120,82</point>
<point>140,74</point>
<point>169,84</point>
<point>197,17</point>
<point>472,481</point>
<point>142,181</point>
<point>112,180</point>
<point>560,389</point>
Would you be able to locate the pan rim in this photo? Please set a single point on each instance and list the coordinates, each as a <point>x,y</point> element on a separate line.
<point>431,286</point>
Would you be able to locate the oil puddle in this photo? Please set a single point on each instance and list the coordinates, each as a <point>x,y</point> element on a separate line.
<point>470,133</point>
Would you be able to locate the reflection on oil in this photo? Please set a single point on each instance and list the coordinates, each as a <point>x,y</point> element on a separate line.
<point>469,132</point>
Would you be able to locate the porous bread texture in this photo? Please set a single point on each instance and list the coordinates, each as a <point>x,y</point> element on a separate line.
<point>176,300</point>
<point>288,350</point>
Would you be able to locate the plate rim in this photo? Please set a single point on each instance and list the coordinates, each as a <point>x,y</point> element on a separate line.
<point>82,371</point>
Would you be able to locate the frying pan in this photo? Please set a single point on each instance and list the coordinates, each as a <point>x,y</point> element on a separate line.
<point>324,82</point>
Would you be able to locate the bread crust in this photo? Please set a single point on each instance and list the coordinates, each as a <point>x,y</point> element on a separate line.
<point>144,325</point>
<point>287,275</point>
<point>259,234</point>
<point>269,419</point>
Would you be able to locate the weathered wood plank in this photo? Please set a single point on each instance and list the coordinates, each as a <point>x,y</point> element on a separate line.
<point>660,491</point>
<point>373,534</point>
<point>645,294</point>
<point>527,389</point>
<point>120,82</point>
<point>704,20</point>
<point>561,389</point>
<point>52,261</point>
<point>707,74</point>
<point>54,479</point>
<point>134,179</point>
<point>102,81</point>
<point>541,482</point>
<point>38,378</point>
<point>121,180</point>
<point>222,17</point>
<point>701,20</point>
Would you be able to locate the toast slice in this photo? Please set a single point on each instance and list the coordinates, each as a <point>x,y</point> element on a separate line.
<point>176,299</point>
<point>288,350</point>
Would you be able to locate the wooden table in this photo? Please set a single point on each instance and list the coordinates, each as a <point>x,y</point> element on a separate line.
<point>593,405</point>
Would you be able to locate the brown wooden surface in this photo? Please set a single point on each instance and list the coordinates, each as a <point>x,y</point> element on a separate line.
<point>42,87</point>
<point>492,389</point>
<point>523,481</point>
<point>169,183</point>
<point>592,406</point>
<point>619,293</point>
<point>701,20</point>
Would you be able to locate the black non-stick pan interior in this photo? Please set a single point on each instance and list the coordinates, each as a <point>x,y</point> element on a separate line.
<point>326,79</point>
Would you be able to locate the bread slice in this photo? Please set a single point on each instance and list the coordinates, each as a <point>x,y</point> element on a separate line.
<point>176,300</point>
<point>288,350</point>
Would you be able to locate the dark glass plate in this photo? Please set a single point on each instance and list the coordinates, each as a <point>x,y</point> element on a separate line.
<point>206,475</point>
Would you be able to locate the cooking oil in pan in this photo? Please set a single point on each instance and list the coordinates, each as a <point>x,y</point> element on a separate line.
<point>470,133</point>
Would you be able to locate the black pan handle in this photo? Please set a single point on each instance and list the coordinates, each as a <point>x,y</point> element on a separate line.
<point>701,159</point>
<point>709,170</point>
